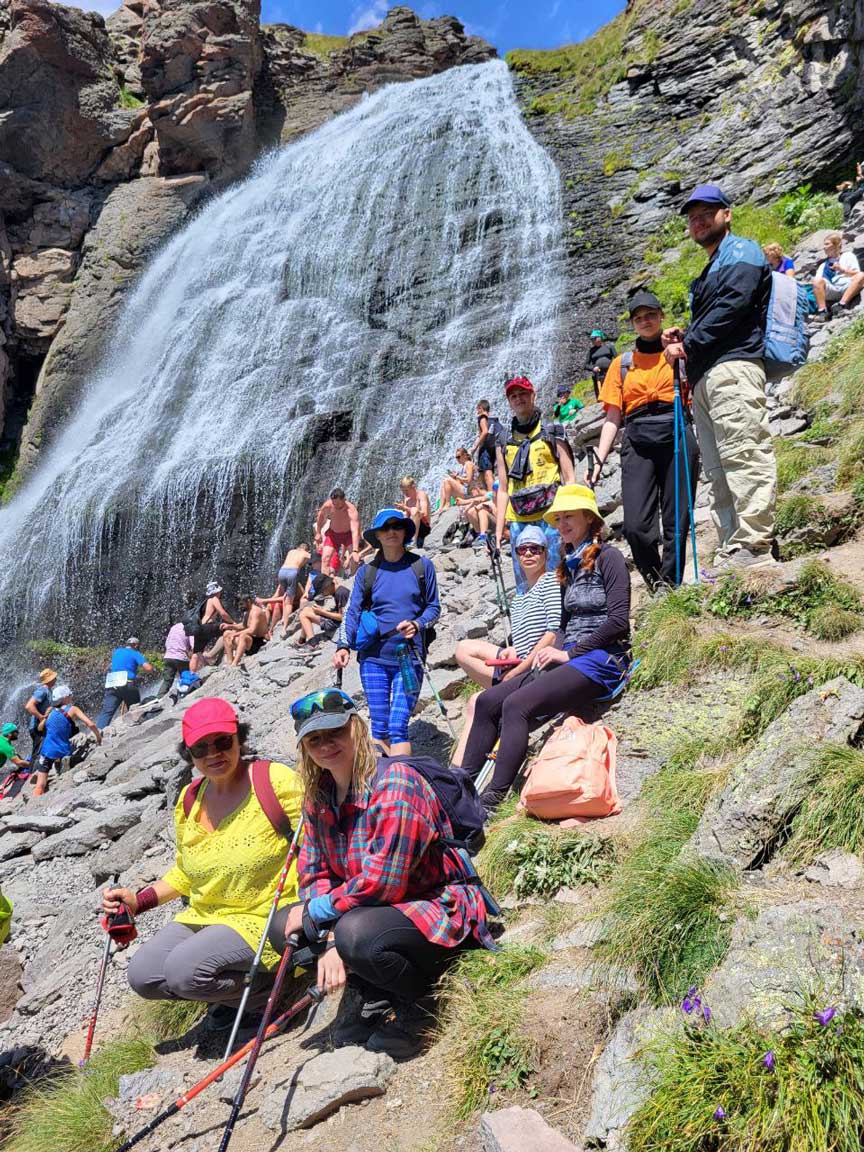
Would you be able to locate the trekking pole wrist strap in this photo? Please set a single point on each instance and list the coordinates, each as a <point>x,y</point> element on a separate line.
<point>146,899</point>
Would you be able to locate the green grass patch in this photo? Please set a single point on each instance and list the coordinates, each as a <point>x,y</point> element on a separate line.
<point>796,510</point>
<point>64,1112</point>
<point>320,45</point>
<point>796,459</point>
<point>666,638</point>
<point>468,689</point>
<point>584,391</point>
<point>850,455</point>
<point>163,1020</point>
<point>811,1098</point>
<point>815,596</point>
<point>127,99</point>
<point>530,858</point>
<point>57,653</point>
<point>832,815</point>
<point>483,1002</point>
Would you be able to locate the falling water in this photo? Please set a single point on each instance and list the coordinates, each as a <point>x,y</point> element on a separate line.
<point>334,317</point>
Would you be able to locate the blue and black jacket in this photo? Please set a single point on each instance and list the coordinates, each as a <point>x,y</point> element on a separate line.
<point>728,305</point>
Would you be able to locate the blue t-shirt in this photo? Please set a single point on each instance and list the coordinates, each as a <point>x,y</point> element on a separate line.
<point>785,265</point>
<point>42,696</point>
<point>395,597</point>
<point>127,660</point>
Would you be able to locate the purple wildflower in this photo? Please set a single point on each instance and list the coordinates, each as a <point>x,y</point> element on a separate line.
<point>723,648</point>
<point>825,1016</point>
<point>768,1060</point>
<point>719,1112</point>
<point>797,675</point>
<point>491,1088</point>
<point>810,681</point>
<point>706,1013</point>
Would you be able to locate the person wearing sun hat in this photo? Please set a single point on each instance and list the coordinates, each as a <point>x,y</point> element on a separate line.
<point>590,655</point>
<point>394,599</point>
<point>230,853</point>
<point>37,709</point>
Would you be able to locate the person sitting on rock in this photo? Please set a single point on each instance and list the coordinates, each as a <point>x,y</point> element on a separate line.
<point>376,880</point>
<point>121,683</point>
<point>415,503</point>
<point>323,614</point>
<point>250,635</point>
<point>60,727</point>
<point>838,280</point>
<point>478,512</point>
<point>205,623</point>
<point>456,484</point>
<point>535,617</point>
<point>231,848</point>
<point>588,660</point>
<point>779,263</point>
<point>399,590</point>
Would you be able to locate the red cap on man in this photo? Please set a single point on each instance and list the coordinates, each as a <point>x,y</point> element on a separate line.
<point>521,383</point>
<point>206,717</point>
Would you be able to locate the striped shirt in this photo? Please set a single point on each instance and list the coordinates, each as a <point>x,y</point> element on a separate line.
<point>534,612</point>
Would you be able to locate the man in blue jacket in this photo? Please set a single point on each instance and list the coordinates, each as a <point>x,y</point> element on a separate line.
<point>723,350</point>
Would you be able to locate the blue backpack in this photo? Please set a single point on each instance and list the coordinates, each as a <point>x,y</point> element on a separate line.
<point>456,795</point>
<point>188,682</point>
<point>786,340</point>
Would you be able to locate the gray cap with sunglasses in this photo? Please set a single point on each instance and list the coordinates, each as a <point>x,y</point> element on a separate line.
<point>330,709</point>
<point>532,535</point>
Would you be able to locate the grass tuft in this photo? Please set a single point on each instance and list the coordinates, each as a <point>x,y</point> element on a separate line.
<point>529,858</point>
<point>829,623</point>
<point>162,1020</point>
<point>666,638</point>
<point>820,602</point>
<point>795,459</point>
<point>832,816</point>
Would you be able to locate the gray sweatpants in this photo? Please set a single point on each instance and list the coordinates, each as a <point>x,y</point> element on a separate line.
<point>185,963</point>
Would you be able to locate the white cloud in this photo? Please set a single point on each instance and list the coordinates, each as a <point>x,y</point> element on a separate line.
<point>104,7</point>
<point>553,11</point>
<point>366,16</point>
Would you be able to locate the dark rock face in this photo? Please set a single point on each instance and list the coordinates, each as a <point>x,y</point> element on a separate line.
<point>760,97</point>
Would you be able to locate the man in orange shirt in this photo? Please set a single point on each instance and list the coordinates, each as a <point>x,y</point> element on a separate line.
<point>639,390</point>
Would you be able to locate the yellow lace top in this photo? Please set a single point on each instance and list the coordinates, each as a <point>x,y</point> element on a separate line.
<point>229,875</point>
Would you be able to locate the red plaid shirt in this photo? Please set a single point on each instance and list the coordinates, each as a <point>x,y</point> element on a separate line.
<point>385,847</point>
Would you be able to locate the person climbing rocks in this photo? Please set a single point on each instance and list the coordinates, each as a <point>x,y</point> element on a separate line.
<point>37,708</point>
<point>723,350</point>
<point>378,883</point>
<point>8,736</point>
<point>489,429</point>
<point>567,406</point>
<point>121,686</point>
<point>178,651</point>
<point>250,635</point>
<point>205,623</point>
<point>399,591</point>
<point>455,484</point>
<point>638,391</point>
<point>778,261</point>
<point>416,504</point>
<point>290,581</point>
<point>60,727</point>
<point>337,531</point>
<point>600,356</point>
<point>230,852</point>
<point>533,461</point>
<point>838,281</point>
<point>324,612</point>
<point>590,655</point>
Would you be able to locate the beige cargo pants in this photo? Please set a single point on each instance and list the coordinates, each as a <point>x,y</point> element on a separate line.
<point>731,420</point>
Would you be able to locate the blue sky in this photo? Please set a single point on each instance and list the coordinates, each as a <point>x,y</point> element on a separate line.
<point>505,23</point>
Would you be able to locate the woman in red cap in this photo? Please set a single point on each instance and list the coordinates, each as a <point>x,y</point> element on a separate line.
<point>229,857</point>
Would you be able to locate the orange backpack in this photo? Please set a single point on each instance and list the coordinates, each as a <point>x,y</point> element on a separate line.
<point>573,778</point>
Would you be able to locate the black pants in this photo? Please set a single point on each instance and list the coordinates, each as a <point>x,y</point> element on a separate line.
<point>171,668</point>
<point>381,946</point>
<point>516,707</point>
<point>647,486</point>
<point>112,700</point>
<point>36,738</point>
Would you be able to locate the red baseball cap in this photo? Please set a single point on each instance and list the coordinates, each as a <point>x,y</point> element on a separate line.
<point>206,717</point>
<point>521,382</point>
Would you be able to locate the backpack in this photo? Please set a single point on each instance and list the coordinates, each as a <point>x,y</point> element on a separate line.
<point>495,434</point>
<point>265,794</point>
<point>456,794</point>
<point>551,433</point>
<point>193,617</point>
<point>573,778</point>
<point>370,631</point>
<point>786,339</point>
<point>188,682</point>
<point>626,365</point>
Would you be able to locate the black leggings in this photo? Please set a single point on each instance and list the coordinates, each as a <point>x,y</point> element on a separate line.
<point>381,946</point>
<point>517,707</point>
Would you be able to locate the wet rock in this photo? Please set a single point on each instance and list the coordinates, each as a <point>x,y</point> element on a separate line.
<point>518,1129</point>
<point>323,1085</point>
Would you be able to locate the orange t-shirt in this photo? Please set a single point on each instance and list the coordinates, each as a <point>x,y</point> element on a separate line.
<point>648,378</point>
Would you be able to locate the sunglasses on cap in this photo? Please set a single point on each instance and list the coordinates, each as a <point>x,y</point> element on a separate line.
<point>217,744</point>
<point>529,550</point>
<point>329,700</point>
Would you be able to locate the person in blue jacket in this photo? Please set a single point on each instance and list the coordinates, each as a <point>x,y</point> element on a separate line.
<point>121,685</point>
<point>60,726</point>
<point>393,601</point>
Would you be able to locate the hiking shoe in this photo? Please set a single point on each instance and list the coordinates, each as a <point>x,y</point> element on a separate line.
<point>822,316</point>
<point>220,1018</point>
<point>403,1033</point>
<point>744,558</point>
<point>479,541</point>
<point>360,1011</point>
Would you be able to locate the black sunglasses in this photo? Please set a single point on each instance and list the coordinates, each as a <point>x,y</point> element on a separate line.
<point>218,744</point>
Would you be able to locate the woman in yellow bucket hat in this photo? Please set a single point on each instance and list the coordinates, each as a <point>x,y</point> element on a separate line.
<point>590,655</point>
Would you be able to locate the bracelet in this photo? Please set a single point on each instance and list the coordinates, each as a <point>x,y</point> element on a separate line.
<point>145,899</point>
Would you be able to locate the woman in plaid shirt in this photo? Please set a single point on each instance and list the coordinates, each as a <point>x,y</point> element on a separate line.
<point>376,880</point>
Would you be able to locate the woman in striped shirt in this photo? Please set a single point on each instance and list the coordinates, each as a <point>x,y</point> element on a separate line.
<point>536,617</point>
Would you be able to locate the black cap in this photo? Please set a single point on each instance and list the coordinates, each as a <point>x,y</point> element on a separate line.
<point>337,494</point>
<point>643,299</point>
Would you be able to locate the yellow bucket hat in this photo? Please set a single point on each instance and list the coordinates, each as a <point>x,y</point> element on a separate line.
<point>572,498</point>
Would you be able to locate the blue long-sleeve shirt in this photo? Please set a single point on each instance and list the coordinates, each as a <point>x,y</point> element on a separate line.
<point>395,597</point>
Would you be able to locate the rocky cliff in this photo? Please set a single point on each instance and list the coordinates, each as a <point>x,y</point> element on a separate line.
<point>113,130</point>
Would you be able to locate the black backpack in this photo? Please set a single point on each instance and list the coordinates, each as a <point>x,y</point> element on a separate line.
<point>370,571</point>
<point>456,794</point>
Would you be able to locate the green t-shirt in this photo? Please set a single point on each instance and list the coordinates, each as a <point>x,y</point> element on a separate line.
<point>6,751</point>
<point>567,411</point>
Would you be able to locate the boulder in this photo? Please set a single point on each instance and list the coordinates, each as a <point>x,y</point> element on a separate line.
<point>91,832</point>
<point>36,822</point>
<point>322,1085</point>
<point>10,981</point>
<point>130,848</point>
<point>518,1129</point>
<point>17,843</point>
<point>742,824</point>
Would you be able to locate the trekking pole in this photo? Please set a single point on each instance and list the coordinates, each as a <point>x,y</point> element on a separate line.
<point>272,1000</point>
<point>313,996</point>
<point>500,589</point>
<point>256,963</point>
<point>676,396</point>
<point>119,929</point>
<point>435,693</point>
<point>488,769</point>
<point>681,434</point>
<point>88,1043</point>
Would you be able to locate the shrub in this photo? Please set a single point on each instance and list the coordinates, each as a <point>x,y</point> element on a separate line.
<point>162,1020</point>
<point>832,815</point>
<point>829,623</point>
<point>534,859</point>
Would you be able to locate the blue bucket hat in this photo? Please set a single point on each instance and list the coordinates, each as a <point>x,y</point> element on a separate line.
<point>389,516</point>
<point>706,194</point>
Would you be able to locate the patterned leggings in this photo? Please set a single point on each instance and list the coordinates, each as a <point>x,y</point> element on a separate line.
<point>390,707</point>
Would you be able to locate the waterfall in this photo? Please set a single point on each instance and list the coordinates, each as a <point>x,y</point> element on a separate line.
<point>334,317</point>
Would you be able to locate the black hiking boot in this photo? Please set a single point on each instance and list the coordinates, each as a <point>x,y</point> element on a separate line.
<point>360,1011</point>
<point>220,1018</point>
<point>405,1030</point>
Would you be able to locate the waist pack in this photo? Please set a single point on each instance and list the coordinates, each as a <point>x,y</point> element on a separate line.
<point>573,778</point>
<point>456,794</point>
<point>533,500</point>
<point>651,431</point>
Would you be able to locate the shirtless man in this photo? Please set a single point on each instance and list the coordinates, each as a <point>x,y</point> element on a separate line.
<point>211,617</point>
<point>337,526</point>
<point>415,503</point>
<point>289,587</point>
<point>249,636</point>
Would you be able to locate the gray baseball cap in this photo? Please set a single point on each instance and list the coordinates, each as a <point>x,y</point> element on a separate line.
<point>532,535</point>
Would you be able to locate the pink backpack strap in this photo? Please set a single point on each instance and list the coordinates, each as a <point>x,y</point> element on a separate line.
<point>190,795</point>
<point>267,798</point>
